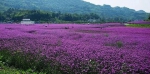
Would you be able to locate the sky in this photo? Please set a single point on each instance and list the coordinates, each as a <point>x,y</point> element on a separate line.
<point>132,4</point>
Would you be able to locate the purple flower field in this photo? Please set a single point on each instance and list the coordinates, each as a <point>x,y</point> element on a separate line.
<point>110,48</point>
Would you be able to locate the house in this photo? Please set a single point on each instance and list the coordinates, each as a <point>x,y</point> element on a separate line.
<point>27,22</point>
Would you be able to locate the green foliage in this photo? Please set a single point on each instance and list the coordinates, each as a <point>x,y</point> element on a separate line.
<point>74,6</point>
<point>119,44</point>
<point>11,70</point>
<point>15,15</point>
<point>149,17</point>
<point>26,63</point>
<point>5,68</point>
<point>139,25</point>
<point>106,34</point>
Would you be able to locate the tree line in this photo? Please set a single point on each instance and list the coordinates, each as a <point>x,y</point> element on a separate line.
<point>149,18</point>
<point>15,15</point>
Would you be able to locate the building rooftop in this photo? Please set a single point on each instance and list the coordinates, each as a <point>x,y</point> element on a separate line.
<point>26,19</point>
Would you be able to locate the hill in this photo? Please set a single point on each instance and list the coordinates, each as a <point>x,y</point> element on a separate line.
<point>74,6</point>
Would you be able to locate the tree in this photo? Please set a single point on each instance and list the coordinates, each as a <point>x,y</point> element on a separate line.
<point>1,17</point>
<point>149,17</point>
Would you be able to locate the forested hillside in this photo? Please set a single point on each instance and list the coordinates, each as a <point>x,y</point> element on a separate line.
<point>74,6</point>
<point>14,15</point>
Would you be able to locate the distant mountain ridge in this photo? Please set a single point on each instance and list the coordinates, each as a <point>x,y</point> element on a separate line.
<point>74,6</point>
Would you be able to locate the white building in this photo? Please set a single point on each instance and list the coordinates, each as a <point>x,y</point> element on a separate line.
<point>27,22</point>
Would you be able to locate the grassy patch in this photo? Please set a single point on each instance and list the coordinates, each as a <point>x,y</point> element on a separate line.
<point>11,70</point>
<point>117,44</point>
<point>27,63</point>
<point>139,25</point>
<point>5,69</point>
<point>106,35</point>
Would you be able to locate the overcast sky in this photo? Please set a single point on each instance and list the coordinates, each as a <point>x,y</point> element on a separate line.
<point>132,4</point>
